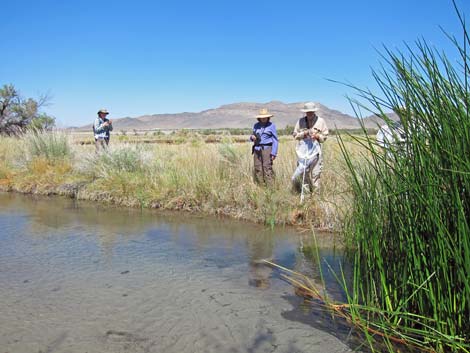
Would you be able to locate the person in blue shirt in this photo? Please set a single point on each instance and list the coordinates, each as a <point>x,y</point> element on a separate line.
<point>264,150</point>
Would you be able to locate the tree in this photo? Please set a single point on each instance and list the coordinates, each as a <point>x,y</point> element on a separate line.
<point>43,122</point>
<point>17,113</point>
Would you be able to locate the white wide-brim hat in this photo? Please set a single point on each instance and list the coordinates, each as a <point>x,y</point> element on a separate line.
<point>264,113</point>
<point>310,107</point>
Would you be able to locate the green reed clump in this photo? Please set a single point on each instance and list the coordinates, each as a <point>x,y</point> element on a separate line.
<point>410,222</point>
<point>52,146</point>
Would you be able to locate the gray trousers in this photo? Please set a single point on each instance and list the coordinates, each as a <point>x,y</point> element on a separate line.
<point>263,172</point>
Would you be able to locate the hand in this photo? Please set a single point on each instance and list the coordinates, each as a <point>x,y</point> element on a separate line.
<point>314,135</point>
<point>252,137</point>
<point>273,157</point>
<point>105,123</point>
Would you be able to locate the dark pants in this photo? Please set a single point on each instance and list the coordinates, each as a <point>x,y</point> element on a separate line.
<point>263,165</point>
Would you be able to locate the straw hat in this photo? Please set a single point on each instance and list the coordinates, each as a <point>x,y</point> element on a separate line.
<point>310,107</point>
<point>264,113</point>
<point>103,111</point>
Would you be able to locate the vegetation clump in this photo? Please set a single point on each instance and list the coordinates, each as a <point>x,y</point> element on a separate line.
<point>410,223</point>
<point>52,146</point>
<point>17,114</point>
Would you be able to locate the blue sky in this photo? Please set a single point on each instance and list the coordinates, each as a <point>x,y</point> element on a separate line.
<point>148,57</point>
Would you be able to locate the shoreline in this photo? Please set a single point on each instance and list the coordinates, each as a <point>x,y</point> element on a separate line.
<point>208,179</point>
<point>73,191</point>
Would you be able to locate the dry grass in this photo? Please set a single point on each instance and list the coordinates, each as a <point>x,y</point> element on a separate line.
<point>192,176</point>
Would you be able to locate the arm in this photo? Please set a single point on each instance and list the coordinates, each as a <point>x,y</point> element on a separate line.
<point>99,126</point>
<point>275,141</point>
<point>380,137</point>
<point>320,131</point>
<point>253,136</point>
<point>298,135</point>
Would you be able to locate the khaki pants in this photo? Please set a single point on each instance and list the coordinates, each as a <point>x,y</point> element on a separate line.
<point>100,144</point>
<point>315,173</point>
<point>312,176</point>
<point>263,165</point>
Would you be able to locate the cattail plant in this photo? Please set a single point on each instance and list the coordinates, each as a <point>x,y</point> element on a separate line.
<point>409,228</point>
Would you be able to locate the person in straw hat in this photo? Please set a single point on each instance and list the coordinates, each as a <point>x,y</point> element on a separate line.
<point>101,129</point>
<point>264,150</point>
<point>311,130</point>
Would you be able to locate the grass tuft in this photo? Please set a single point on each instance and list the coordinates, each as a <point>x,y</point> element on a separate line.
<point>53,146</point>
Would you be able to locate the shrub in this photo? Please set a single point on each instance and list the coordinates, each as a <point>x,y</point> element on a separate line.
<point>126,159</point>
<point>52,146</point>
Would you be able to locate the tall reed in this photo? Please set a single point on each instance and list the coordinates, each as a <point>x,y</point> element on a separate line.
<point>411,212</point>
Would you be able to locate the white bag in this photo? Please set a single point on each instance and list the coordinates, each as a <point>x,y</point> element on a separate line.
<point>307,151</point>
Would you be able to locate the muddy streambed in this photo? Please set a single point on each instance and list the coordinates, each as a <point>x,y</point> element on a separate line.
<point>79,277</point>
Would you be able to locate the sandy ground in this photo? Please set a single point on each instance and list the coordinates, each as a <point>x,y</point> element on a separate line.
<point>145,310</point>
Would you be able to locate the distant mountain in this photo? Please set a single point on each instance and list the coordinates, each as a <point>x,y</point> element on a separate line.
<point>237,115</point>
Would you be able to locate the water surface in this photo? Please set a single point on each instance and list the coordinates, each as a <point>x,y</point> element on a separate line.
<point>80,277</point>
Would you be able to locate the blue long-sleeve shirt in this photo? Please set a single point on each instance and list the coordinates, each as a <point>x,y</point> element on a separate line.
<point>268,135</point>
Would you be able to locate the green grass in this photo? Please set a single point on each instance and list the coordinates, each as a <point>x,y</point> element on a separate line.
<point>50,145</point>
<point>124,159</point>
<point>409,228</point>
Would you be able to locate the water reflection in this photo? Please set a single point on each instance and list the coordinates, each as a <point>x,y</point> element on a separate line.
<point>96,269</point>
<point>260,247</point>
<point>218,242</point>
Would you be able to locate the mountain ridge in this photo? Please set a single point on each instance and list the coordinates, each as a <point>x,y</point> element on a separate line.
<point>238,115</point>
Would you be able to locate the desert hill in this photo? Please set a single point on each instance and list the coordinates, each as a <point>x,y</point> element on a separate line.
<point>236,115</point>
